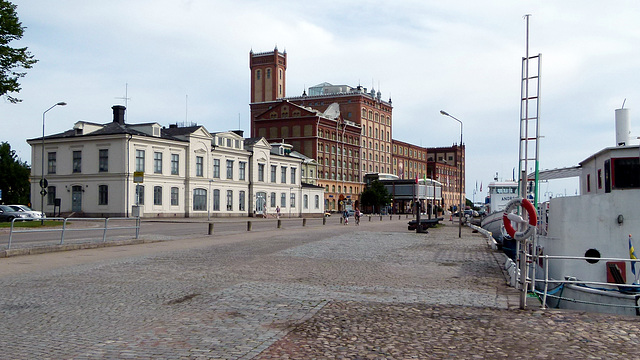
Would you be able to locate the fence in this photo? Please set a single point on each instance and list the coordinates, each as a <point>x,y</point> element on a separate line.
<point>65,229</point>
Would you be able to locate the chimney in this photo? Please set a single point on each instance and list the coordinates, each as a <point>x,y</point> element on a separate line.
<point>118,114</point>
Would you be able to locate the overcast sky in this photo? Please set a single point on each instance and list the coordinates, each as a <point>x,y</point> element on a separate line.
<point>189,61</point>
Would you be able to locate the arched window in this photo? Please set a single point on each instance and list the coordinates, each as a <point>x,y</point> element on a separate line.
<point>199,199</point>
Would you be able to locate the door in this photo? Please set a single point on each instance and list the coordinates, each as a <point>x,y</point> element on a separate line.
<point>261,202</point>
<point>76,198</point>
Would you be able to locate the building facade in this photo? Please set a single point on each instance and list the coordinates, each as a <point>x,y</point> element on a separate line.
<point>180,172</point>
<point>327,117</point>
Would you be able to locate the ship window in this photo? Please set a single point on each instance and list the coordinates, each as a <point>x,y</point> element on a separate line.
<point>592,253</point>
<point>625,173</point>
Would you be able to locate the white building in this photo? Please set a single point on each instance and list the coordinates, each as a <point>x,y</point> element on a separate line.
<point>186,172</point>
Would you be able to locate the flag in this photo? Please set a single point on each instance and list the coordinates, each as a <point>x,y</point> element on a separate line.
<point>632,255</point>
<point>480,186</point>
<point>476,185</point>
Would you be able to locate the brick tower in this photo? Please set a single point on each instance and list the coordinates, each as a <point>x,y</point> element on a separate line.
<point>268,75</point>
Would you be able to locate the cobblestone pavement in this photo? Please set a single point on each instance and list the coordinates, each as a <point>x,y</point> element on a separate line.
<point>376,291</point>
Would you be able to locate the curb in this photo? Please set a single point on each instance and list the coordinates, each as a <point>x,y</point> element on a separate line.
<point>69,247</point>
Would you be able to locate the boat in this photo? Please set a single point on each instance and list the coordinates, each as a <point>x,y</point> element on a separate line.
<point>585,247</point>
<point>499,194</point>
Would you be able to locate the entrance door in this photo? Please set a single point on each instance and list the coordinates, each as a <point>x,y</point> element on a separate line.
<point>261,202</point>
<point>76,198</point>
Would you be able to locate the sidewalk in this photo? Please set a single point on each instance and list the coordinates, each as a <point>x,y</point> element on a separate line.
<point>376,291</point>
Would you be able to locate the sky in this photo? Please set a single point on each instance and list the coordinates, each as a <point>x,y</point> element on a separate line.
<point>188,61</point>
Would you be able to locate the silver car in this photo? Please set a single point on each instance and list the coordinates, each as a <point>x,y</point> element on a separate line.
<point>7,213</point>
<point>27,210</point>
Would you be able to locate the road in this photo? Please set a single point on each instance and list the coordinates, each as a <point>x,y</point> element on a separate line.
<point>81,230</point>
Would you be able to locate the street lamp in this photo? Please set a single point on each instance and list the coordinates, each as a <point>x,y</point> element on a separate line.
<point>460,211</point>
<point>43,185</point>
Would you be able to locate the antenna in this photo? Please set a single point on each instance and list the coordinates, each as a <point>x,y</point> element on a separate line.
<point>238,121</point>
<point>126,98</point>
<point>625,100</point>
<point>186,108</point>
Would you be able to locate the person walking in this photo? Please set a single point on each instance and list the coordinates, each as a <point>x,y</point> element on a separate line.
<point>356,215</point>
<point>278,211</point>
<point>345,215</point>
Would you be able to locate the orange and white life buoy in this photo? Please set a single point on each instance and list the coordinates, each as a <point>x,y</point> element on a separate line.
<point>509,217</point>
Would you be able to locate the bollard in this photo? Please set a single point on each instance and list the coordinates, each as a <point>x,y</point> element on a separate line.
<point>304,222</point>
<point>406,216</point>
<point>340,219</point>
<point>399,217</point>
<point>324,220</point>
<point>380,217</point>
<point>248,225</point>
<point>210,228</point>
<point>390,217</point>
<point>369,217</point>
<point>279,223</point>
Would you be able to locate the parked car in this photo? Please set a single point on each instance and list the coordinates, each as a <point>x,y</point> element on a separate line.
<point>7,214</point>
<point>24,208</point>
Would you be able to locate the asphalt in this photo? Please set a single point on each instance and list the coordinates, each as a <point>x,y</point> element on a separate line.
<point>374,291</point>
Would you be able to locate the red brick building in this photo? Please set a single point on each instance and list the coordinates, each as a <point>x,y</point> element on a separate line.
<point>443,164</point>
<point>348,130</point>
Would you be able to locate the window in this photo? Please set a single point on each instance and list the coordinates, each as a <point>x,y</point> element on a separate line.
<point>293,199</point>
<point>273,199</point>
<point>216,200</point>
<point>157,163</point>
<point>273,173</point>
<point>229,169</point>
<point>103,195</point>
<point>174,196</point>
<point>283,200</point>
<point>599,178</point>
<point>199,166</point>
<point>283,174</point>
<point>199,199</point>
<point>51,195</point>
<point>77,161</point>
<point>103,160</point>
<point>216,168</point>
<point>139,160</point>
<point>229,200</point>
<point>175,164</point>
<point>242,166</point>
<point>306,201</point>
<point>258,74</point>
<point>293,175</point>
<point>51,168</point>
<point>241,196</point>
<point>140,194</point>
<point>260,172</point>
<point>157,195</point>
<point>317,202</point>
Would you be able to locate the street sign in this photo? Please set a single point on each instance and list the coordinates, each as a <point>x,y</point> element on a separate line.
<point>44,183</point>
<point>138,177</point>
<point>43,192</point>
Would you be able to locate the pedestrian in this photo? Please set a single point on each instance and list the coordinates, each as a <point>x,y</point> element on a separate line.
<point>345,215</point>
<point>278,211</point>
<point>356,215</point>
<point>264,211</point>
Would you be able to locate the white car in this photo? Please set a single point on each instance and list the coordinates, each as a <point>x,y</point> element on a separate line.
<point>28,211</point>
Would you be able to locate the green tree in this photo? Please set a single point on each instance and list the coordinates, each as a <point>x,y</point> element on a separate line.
<point>14,176</point>
<point>375,195</point>
<point>13,62</point>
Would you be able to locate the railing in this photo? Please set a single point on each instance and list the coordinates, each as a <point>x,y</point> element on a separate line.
<point>594,286</point>
<point>64,228</point>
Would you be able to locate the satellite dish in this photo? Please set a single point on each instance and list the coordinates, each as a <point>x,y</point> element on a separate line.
<point>333,111</point>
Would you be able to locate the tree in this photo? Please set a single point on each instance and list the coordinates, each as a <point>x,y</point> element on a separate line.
<point>14,176</point>
<point>375,195</point>
<point>12,61</point>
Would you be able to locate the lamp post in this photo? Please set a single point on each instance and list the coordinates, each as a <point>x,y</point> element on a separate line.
<point>42,180</point>
<point>460,211</point>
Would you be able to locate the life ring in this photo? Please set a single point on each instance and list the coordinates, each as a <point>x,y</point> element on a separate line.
<point>508,217</point>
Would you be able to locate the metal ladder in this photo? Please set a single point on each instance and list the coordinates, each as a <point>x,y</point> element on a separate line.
<point>529,121</point>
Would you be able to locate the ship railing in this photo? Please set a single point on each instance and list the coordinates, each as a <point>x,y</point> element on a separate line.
<point>557,285</point>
